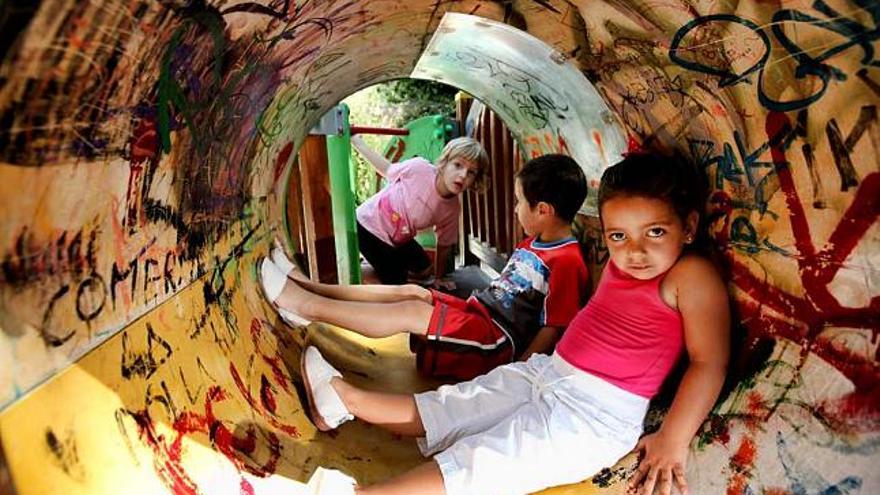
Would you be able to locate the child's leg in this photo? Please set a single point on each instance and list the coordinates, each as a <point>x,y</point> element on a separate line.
<point>333,401</point>
<point>371,319</point>
<point>571,426</point>
<point>415,258</point>
<point>384,259</point>
<point>423,480</point>
<point>396,413</point>
<point>365,293</point>
<point>368,293</point>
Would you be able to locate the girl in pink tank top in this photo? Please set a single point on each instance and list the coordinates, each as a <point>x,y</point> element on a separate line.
<point>559,419</point>
<point>656,299</point>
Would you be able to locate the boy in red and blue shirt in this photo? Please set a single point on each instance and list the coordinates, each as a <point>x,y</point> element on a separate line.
<point>522,312</point>
<point>540,289</point>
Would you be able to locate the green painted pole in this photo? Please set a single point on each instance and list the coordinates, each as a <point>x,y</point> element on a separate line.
<point>342,202</point>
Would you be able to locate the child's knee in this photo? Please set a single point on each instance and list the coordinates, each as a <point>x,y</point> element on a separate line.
<point>418,292</point>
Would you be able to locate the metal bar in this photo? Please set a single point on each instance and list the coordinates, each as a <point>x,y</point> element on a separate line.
<point>486,217</point>
<point>386,131</point>
<point>342,195</point>
<point>506,222</point>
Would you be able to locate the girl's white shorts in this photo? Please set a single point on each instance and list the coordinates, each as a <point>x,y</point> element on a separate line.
<point>527,426</point>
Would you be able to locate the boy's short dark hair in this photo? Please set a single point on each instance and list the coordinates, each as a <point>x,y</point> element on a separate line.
<point>654,175</point>
<point>556,180</point>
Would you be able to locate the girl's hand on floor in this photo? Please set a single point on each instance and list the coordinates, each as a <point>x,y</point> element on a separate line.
<point>661,465</point>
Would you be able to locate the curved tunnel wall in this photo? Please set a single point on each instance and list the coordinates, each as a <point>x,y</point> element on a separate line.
<point>142,148</point>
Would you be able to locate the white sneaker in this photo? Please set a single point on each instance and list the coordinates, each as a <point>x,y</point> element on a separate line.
<point>283,262</point>
<point>328,411</point>
<point>272,281</point>
<point>330,482</point>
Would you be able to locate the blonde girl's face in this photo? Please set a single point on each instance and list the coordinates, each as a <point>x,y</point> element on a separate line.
<point>645,236</point>
<point>458,174</point>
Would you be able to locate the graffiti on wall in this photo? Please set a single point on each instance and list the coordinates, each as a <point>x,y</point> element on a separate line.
<point>139,142</point>
<point>779,109</point>
<point>130,172</point>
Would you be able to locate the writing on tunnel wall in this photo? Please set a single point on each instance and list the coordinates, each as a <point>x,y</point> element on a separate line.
<point>139,142</point>
<point>129,137</point>
<point>548,105</point>
<point>779,108</point>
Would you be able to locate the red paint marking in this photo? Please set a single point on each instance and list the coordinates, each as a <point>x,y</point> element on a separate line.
<point>771,296</point>
<point>856,412</point>
<point>291,430</point>
<point>719,430</point>
<point>742,464</point>
<point>633,145</point>
<point>860,406</point>
<point>744,458</point>
<point>755,402</point>
<point>167,458</point>
<point>267,397</point>
<point>144,143</point>
<point>563,145</point>
<point>165,461</point>
<point>777,124</point>
<point>597,138</point>
<point>274,362</point>
<point>281,161</point>
<point>818,269</point>
<point>858,218</point>
<point>770,311</point>
<point>724,435</point>
<point>818,308</point>
<point>230,444</point>
<point>737,484</point>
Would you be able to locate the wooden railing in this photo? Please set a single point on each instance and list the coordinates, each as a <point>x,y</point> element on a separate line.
<point>309,213</point>
<point>489,229</point>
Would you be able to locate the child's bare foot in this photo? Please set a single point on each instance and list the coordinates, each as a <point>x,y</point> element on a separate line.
<point>273,282</point>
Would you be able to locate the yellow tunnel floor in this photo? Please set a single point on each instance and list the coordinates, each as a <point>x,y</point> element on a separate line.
<point>194,400</point>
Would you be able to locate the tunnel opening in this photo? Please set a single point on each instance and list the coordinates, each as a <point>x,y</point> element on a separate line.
<point>140,149</point>
<point>508,69</point>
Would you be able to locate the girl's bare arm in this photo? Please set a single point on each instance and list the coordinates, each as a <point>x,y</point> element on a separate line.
<point>376,160</point>
<point>703,303</point>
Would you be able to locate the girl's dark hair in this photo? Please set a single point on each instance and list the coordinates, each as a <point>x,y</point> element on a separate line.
<point>654,175</point>
<point>556,180</point>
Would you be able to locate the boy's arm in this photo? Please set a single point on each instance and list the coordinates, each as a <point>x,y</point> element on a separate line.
<point>566,293</point>
<point>376,160</point>
<point>702,301</point>
<point>543,342</point>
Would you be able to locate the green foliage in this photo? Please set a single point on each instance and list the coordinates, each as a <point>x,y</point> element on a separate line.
<point>368,181</point>
<point>417,98</point>
<point>392,104</point>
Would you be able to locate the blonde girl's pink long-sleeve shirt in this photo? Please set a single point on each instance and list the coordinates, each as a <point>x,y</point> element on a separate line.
<point>409,203</point>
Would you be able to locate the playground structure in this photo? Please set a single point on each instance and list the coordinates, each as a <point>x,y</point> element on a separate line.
<point>423,137</point>
<point>145,148</point>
